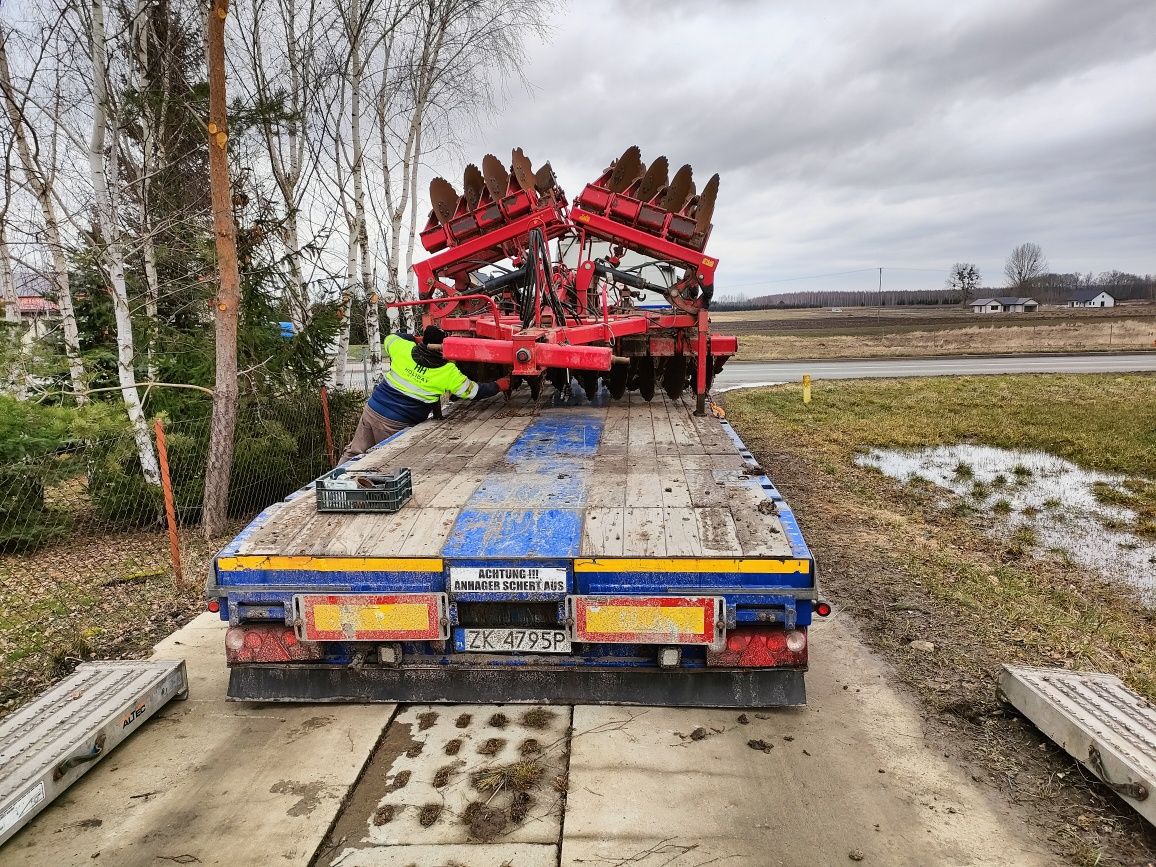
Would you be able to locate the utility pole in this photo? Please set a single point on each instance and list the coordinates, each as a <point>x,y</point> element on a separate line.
<point>225,307</point>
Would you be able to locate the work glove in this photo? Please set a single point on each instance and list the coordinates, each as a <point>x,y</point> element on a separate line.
<point>503,384</point>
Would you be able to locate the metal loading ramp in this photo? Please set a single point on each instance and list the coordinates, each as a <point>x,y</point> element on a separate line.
<point>1109,728</point>
<point>50,743</point>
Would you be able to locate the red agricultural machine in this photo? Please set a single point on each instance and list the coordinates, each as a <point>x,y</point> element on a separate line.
<point>614,286</point>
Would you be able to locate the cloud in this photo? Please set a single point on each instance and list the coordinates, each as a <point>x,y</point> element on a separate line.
<point>858,134</point>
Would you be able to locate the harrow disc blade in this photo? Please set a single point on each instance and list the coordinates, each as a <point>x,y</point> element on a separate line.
<point>472,184</point>
<point>681,188</point>
<point>674,376</point>
<point>616,380</point>
<point>496,178</point>
<point>523,173</point>
<point>654,180</point>
<point>588,379</point>
<point>544,179</point>
<point>705,209</point>
<point>644,376</point>
<point>444,199</point>
<point>627,169</point>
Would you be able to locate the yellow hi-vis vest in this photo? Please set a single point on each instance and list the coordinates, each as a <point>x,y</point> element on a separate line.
<point>426,384</point>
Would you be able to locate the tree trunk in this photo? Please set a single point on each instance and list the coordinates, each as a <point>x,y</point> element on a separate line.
<point>7,280</point>
<point>104,173</point>
<point>224,423</point>
<point>40,182</point>
<point>342,359</point>
<point>150,151</point>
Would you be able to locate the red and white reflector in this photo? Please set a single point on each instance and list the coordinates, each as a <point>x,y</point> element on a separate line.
<point>647,619</point>
<point>761,647</point>
<point>267,642</point>
<point>372,617</point>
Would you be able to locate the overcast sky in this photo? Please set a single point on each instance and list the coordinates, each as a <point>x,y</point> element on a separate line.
<point>851,135</point>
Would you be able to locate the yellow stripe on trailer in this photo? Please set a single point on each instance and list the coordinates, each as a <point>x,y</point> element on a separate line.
<point>741,565</point>
<point>257,562</point>
<point>614,619</point>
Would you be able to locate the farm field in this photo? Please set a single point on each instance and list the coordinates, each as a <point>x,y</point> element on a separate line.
<point>767,335</point>
<point>970,564</point>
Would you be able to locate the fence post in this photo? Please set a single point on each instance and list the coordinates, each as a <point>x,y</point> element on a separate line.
<point>328,427</point>
<point>170,506</point>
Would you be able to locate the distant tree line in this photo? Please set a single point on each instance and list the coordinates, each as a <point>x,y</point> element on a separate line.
<point>1048,288</point>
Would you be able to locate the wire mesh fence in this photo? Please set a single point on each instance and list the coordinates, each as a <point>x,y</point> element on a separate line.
<point>100,559</point>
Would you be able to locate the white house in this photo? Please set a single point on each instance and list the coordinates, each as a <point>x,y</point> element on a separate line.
<point>1091,298</point>
<point>1004,305</point>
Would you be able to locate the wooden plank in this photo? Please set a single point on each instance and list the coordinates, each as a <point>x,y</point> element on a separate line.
<point>427,485</point>
<point>759,534</point>
<point>640,443</point>
<point>643,488</point>
<point>606,485</point>
<point>704,490</point>
<point>602,533</point>
<point>682,536</point>
<point>685,435</point>
<point>643,533</point>
<point>673,483</point>
<point>281,527</point>
<point>322,529</point>
<point>458,489</point>
<point>346,540</point>
<point>384,539</point>
<point>429,533</point>
<point>716,531</point>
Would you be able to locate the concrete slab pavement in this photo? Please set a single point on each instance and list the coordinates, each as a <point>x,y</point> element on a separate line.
<point>850,773</point>
<point>208,781</point>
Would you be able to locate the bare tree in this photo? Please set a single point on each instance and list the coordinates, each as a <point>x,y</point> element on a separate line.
<point>1025,264</point>
<point>104,166</point>
<point>224,423</point>
<point>40,175</point>
<point>964,278</point>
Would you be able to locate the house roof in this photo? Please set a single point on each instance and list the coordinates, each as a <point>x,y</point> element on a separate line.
<point>1087,294</point>
<point>1004,301</point>
<point>30,290</point>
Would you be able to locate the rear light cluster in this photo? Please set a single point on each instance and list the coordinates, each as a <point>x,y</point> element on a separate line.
<point>761,647</point>
<point>268,642</point>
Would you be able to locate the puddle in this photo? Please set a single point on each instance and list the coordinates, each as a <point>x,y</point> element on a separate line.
<point>1052,496</point>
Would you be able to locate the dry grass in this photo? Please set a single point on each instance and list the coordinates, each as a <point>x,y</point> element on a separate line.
<point>106,595</point>
<point>909,569</point>
<point>969,338</point>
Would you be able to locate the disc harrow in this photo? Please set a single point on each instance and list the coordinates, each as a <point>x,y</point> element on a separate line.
<point>610,292</point>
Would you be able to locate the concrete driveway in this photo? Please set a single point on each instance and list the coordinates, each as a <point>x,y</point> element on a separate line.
<point>850,776</point>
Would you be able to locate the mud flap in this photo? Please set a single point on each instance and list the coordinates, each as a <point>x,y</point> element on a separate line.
<point>745,688</point>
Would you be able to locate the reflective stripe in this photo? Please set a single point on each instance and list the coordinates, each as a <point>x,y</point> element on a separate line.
<point>467,391</point>
<point>411,388</point>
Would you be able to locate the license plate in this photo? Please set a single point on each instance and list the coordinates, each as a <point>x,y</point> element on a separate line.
<point>516,641</point>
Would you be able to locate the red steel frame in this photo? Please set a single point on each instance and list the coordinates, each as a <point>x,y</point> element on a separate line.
<point>478,334</point>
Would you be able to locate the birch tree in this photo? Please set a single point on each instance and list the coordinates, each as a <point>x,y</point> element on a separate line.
<point>104,167</point>
<point>40,175</point>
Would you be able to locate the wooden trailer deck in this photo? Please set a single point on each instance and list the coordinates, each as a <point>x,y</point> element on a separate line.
<point>620,478</point>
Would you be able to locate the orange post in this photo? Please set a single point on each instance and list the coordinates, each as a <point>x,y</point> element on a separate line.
<point>328,427</point>
<point>170,505</point>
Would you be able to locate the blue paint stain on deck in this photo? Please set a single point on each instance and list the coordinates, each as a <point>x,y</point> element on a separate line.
<point>531,504</point>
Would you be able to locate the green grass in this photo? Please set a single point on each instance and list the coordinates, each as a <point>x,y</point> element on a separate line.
<point>1102,422</point>
<point>1015,603</point>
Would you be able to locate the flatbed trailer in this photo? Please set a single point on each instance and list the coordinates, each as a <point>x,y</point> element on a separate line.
<point>554,550</point>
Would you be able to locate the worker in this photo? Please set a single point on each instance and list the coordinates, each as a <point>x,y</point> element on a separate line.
<point>417,378</point>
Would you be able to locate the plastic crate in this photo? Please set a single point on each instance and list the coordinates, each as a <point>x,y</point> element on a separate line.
<point>389,492</point>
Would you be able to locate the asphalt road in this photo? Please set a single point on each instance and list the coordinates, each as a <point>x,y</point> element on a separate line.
<point>738,374</point>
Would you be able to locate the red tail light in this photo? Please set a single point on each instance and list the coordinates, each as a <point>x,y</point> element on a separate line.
<point>823,609</point>
<point>214,606</point>
<point>761,647</point>
<point>267,642</point>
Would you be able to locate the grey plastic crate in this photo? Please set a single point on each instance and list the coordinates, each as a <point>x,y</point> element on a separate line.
<point>389,492</point>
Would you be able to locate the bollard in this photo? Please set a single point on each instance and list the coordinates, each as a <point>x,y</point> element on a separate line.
<point>806,388</point>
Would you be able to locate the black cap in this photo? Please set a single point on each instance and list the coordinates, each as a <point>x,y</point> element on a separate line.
<point>433,335</point>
